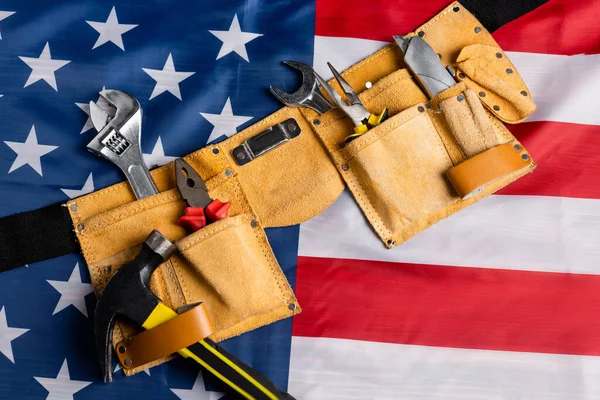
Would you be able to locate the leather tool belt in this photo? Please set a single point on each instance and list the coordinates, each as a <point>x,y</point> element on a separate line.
<point>428,160</point>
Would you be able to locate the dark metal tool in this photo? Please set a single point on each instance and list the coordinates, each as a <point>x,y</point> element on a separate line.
<point>202,208</point>
<point>118,139</point>
<point>265,141</point>
<point>425,65</point>
<point>128,295</point>
<point>308,95</point>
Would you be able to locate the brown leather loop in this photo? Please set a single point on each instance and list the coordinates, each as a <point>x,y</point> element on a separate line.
<point>471,176</point>
<point>168,338</point>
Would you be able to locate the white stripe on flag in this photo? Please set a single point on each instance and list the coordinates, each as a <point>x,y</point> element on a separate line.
<point>322,368</point>
<point>535,233</point>
<point>564,87</point>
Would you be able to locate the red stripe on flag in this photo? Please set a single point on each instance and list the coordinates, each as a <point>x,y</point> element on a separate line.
<point>567,157</point>
<point>558,27</point>
<point>447,306</point>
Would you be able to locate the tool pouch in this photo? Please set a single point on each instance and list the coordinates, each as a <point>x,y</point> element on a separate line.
<point>431,158</point>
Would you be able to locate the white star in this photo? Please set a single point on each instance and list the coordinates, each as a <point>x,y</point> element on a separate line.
<point>157,157</point>
<point>225,123</point>
<point>4,15</point>
<point>111,30</point>
<point>29,152</point>
<point>7,335</point>
<point>234,39</point>
<point>61,387</point>
<point>167,79</point>
<point>198,391</point>
<point>105,105</point>
<point>118,368</point>
<point>72,292</point>
<point>43,67</point>
<point>88,187</point>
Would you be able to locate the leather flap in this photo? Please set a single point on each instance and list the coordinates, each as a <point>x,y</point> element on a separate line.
<point>488,70</point>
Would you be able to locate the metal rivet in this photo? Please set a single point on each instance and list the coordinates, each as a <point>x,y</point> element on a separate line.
<point>215,151</point>
<point>460,97</point>
<point>316,121</point>
<point>477,29</point>
<point>517,147</point>
<point>345,167</point>
<point>240,156</point>
<point>421,34</point>
<point>368,85</point>
<point>291,306</point>
<point>127,362</point>
<point>292,127</point>
<point>496,108</point>
<point>227,172</point>
<point>390,242</point>
<point>421,108</point>
<point>253,223</point>
<point>462,76</point>
<point>122,349</point>
<point>80,227</point>
<point>498,55</point>
<point>427,105</point>
<point>73,207</point>
<point>525,157</point>
<point>456,9</point>
<point>509,71</point>
<point>107,270</point>
<point>524,93</point>
<point>481,94</point>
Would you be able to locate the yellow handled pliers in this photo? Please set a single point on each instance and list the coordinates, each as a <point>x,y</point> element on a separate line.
<point>356,111</point>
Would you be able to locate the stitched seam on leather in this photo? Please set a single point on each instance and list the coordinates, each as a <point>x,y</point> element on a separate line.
<point>116,186</point>
<point>382,133</point>
<point>266,251</point>
<point>177,282</point>
<point>368,95</point>
<point>206,233</point>
<point>439,141</point>
<point>438,17</point>
<point>138,209</point>
<point>363,199</point>
<point>446,144</point>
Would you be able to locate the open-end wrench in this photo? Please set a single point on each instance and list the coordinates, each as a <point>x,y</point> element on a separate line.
<point>308,95</point>
<point>118,139</point>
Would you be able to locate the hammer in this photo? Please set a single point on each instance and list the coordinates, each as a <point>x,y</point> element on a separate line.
<point>127,295</point>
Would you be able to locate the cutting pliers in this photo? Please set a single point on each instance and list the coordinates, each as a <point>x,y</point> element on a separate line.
<point>356,111</point>
<point>202,208</point>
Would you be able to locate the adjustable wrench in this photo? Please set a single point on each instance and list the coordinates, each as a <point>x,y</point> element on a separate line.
<point>308,95</point>
<point>118,139</point>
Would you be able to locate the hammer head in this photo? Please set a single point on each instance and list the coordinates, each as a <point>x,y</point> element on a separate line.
<point>120,135</point>
<point>128,295</point>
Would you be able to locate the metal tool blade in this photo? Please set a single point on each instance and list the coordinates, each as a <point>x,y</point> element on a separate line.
<point>425,65</point>
<point>99,117</point>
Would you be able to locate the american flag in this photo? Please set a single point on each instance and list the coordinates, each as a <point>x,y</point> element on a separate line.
<point>499,301</point>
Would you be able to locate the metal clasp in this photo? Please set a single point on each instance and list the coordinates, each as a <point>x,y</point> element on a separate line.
<point>266,141</point>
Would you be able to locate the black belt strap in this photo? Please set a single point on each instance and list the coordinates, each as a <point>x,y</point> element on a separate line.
<point>494,13</point>
<point>48,232</point>
<point>36,235</point>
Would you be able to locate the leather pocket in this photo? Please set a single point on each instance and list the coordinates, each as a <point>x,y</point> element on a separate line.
<point>230,267</point>
<point>396,174</point>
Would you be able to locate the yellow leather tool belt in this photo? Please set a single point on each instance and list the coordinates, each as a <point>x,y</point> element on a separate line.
<point>428,160</point>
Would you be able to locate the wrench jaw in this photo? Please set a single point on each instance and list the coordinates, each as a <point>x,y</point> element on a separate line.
<point>118,141</point>
<point>307,95</point>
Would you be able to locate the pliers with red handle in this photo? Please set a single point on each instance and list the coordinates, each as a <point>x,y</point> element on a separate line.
<point>202,209</point>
